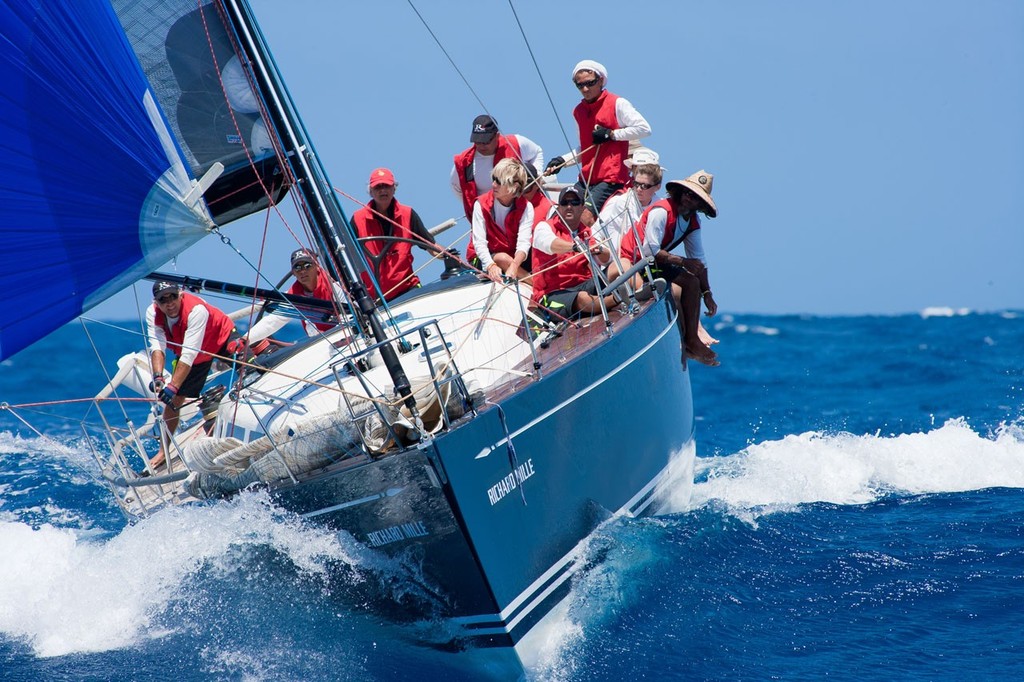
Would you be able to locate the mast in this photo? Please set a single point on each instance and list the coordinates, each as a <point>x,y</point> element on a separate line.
<point>319,201</point>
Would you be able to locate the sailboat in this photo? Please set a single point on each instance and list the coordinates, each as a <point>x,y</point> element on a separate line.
<point>452,429</point>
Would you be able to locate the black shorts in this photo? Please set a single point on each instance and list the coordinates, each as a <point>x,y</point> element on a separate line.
<point>561,301</point>
<point>196,379</point>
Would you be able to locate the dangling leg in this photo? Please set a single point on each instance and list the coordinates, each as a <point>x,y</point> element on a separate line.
<point>688,305</point>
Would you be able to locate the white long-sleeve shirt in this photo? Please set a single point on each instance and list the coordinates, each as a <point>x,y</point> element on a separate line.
<point>483,165</point>
<point>620,213</point>
<point>523,239</point>
<point>655,232</point>
<point>194,333</point>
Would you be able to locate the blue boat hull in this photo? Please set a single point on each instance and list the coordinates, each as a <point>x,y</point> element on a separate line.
<point>492,528</point>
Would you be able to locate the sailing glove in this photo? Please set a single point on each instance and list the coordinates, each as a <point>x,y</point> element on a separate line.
<point>157,384</point>
<point>554,165</point>
<point>601,135</point>
<point>167,393</point>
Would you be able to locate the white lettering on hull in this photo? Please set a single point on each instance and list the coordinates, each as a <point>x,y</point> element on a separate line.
<point>506,485</point>
<point>406,531</point>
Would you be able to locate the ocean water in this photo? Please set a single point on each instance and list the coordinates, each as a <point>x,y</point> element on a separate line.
<point>858,513</point>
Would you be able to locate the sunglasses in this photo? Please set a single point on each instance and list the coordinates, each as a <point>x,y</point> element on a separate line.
<point>301,267</point>
<point>586,84</point>
<point>167,298</point>
<point>646,185</point>
<point>570,202</point>
<point>380,188</point>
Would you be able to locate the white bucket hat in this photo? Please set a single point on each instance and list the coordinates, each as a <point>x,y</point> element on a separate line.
<point>642,156</point>
<point>700,184</point>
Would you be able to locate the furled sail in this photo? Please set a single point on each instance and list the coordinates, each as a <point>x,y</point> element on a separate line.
<point>97,181</point>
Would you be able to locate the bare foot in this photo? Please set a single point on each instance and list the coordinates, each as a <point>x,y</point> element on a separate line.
<point>704,336</point>
<point>705,356</point>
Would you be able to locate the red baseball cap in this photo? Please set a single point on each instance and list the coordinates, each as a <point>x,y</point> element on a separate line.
<point>381,176</point>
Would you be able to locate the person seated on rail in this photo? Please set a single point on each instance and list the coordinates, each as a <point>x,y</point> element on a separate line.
<point>503,225</point>
<point>563,281</point>
<point>390,260</point>
<point>663,225</point>
<point>622,210</point>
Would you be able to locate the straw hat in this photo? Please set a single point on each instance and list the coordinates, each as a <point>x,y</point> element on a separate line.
<point>700,184</point>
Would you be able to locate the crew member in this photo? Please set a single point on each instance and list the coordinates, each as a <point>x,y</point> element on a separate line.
<point>664,224</point>
<point>606,124</point>
<point>390,260</point>
<point>562,278</point>
<point>471,172</point>
<point>195,331</point>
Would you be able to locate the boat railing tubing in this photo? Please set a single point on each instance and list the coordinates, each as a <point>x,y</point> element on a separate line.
<point>444,377</point>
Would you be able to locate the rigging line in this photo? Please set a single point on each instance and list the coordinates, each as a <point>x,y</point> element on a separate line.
<point>99,361</point>
<point>540,75</point>
<point>451,61</point>
<point>554,109</point>
<point>275,141</point>
<point>259,274</point>
<point>447,56</point>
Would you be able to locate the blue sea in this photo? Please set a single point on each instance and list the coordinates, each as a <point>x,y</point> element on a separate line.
<point>858,513</point>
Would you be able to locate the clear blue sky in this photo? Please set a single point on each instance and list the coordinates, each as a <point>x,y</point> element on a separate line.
<point>868,157</point>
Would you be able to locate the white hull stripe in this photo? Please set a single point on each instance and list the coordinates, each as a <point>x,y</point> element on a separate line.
<point>530,593</point>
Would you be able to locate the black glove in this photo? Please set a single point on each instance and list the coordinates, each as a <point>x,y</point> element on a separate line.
<point>167,393</point>
<point>601,135</point>
<point>554,165</point>
<point>157,384</point>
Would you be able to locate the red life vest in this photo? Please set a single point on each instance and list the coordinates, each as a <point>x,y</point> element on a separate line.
<point>628,249</point>
<point>603,162</point>
<point>554,272</point>
<point>394,273</point>
<point>541,206</point>
<point>499,240</point>
<point>324,291</point>
<point>508,148</point>
<point>218,328</point>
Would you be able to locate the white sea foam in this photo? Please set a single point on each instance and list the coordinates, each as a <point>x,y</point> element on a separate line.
<point>728,323</point>
<point>849,469</point>
<point>63,593</point>
<point>944,311</point>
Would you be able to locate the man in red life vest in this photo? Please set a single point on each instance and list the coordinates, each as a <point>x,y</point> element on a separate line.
<point>471,172</point>
<point>663,225</point>
<point>195,331</point>
<point>562,278</point>
<point>310,280</point>
<point>390,261</point>
<point>606,124</point>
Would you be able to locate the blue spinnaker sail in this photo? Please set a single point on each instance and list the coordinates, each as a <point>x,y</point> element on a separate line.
<point>91,180</point>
